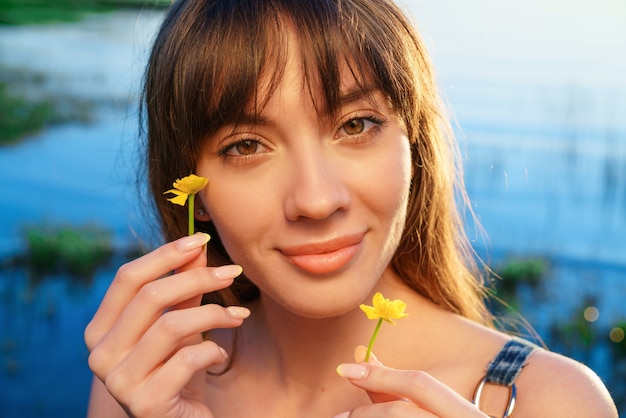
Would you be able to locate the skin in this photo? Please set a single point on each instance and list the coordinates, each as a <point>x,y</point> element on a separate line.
<point>326,185</point>
<point>320,179</point>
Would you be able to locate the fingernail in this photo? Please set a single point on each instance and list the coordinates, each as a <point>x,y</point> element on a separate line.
<point>224,353</point>
<point>192,242</point>
<point>352,371</point>
<point>343,415</point>
<point>359,355</point>
<point>238,312</point>
<point>227,272</point>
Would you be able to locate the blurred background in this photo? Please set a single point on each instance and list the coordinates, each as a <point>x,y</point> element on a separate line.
<point>537,90</point>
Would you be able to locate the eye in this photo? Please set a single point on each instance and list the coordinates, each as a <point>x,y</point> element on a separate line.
<point>354,126</point>
<point>360,126</point>
<point>244,147</point>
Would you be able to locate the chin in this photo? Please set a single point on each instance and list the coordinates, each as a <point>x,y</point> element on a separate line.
<point>327,304</point>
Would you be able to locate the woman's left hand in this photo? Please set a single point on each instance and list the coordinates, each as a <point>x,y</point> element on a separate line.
<point>403,393</point>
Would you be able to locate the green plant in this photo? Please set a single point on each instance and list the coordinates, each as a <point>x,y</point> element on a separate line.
<point>19,117</point>
<point>528,271</point>
<point>79,251</point>
<point>509,276</point>
<point>580,333</point>
<point>26,107</point>
<point>515,273</point>
<point>23,12</point>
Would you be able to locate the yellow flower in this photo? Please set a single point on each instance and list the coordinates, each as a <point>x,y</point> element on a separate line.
<point>185,187</point>
<point>385,309</point>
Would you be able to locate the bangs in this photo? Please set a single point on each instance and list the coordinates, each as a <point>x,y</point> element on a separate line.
<point>214,61</point>
<point>239,44</point>
<point>257,38</point>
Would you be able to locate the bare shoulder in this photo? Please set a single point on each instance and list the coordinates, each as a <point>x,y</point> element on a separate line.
<point>556,386</point>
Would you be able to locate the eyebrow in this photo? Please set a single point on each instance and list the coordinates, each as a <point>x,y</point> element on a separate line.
<point>356,92</point>
<point>246,119</point>
<point>350,95</point>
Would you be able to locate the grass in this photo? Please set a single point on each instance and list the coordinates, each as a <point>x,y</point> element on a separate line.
<point>70,252</point>
<point>26,107</point>
<point>20,117</point>
<point>24,12</point>
<point>518,271</point>
<point>77,250</point>
<point>513,274</point>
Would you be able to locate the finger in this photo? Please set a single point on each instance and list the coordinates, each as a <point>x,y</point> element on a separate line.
<point>144,310</point>
<point>416,386</point>
<point>359,356</point>
<point>198,262</point>
<point>172,378</point>
<point>133,275</point>
<point>172,331</point>
<point>155,297</point>
<point>160,395</point>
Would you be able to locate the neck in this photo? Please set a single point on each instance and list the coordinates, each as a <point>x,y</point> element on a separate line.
<point>308,350</point>
<point>280,352</point>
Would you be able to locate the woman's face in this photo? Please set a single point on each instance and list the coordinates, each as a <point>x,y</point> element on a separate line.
<point>311,207</point>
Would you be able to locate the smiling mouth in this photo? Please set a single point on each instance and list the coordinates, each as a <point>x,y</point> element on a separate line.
<point>326,257</point>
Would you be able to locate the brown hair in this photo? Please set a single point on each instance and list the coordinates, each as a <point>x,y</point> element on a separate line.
<point>204,69</point>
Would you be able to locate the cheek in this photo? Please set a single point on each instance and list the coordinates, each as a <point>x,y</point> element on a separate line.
<point>231,200</point>
<point>388,193</point>
<point>389,179</point>
<point>237,218</point>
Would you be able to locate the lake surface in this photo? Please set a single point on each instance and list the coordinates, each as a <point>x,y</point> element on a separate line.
<point>539,94</point>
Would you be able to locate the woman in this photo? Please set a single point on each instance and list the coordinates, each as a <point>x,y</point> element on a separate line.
<point>331,178</point>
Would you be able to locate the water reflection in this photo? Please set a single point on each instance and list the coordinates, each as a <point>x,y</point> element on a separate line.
<point>545,165</point>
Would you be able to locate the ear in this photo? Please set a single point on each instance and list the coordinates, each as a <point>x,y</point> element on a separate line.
<point>201,213</point>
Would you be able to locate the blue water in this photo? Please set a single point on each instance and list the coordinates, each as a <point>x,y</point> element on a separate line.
<point>75,173</point>
<point>44,372</point>
<point>542,134</point>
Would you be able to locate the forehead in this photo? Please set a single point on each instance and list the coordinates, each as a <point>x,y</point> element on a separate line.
<point>294,65</point>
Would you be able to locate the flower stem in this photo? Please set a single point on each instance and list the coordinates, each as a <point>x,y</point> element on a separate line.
<point>374,335</point>
<point>191,212</point>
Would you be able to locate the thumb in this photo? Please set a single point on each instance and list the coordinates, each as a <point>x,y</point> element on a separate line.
<point>359,356</point>
<point>375,397</point>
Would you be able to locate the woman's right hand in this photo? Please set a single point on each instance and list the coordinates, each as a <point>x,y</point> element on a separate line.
<point>145,339</point>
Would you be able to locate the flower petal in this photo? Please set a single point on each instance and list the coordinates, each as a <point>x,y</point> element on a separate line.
<point>180,198</point>
<point>379,301</point>
<point>396,309</point>
<point>385,309</point>
<point>191,184</point>
<point>370,312</point>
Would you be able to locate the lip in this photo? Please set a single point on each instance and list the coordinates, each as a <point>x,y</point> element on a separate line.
<point>326,256</point>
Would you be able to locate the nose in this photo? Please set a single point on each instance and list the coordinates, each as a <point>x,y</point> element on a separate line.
<point>317,187</point>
